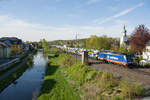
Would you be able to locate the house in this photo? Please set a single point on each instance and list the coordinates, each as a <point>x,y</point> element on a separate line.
<point>146,53</point>
<point>5,50</point>
<point>13,42</point>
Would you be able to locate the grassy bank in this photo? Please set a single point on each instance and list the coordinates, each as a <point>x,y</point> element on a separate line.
<point>55,86</point>
<point>15,75</point>
<point>65,79</point>
<point>94,85</point>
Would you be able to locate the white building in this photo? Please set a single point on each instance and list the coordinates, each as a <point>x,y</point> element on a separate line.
<point>123,38</point>
<point>146,53</point>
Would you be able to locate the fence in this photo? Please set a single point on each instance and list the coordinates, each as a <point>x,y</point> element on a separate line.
<point>8,64</point>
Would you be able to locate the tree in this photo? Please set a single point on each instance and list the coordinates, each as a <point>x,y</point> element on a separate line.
<point>101,43</point>
<point>45,45</point>
<point>91,43</point>
<point>139,38</point>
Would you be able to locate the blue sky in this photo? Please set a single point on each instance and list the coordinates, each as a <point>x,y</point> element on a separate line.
<point>62,19</point>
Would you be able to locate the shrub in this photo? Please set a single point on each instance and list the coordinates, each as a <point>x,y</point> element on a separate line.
<point>81,73</point>
<point>130,89</point>
<point>78,72</point>
<point>66,60</point>
<point>147,65</point>
<point>116,98</point>
<point>55,51</point>
<point>91,75</point>
<point>30,60</point>
<point>136,60</point>
<point>107,80</point>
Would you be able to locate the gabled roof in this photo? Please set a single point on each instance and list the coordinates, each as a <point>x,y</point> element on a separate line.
<point>12,40</point>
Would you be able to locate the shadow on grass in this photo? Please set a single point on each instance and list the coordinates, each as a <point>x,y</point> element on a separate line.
<point>50,70</point>
<point>52,56</point>
<point>48,85</point>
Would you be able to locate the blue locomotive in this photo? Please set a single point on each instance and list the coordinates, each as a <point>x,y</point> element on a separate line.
<point>121,59</point>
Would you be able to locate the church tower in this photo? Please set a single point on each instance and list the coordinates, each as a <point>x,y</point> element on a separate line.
<point>123,38</point>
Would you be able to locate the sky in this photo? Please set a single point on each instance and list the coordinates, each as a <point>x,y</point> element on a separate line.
<point>32,20</point>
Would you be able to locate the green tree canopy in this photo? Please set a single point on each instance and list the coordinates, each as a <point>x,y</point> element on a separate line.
<point>101,43</point>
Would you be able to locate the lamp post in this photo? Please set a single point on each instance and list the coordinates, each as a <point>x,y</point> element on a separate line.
<point>77,49</point>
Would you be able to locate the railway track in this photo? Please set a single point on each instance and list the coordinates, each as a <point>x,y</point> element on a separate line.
<point>133,73</point>
<point>142,71</point>
<point>133,68</point>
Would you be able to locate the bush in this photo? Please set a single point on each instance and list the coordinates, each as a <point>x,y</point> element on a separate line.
<point>136,60</point>
<point>91,75</point>
<point>66,60</point>
<point>131,90</point>
<point>30,60</point>
<point>147,65</point>
<point>107,80</point>
<point>116,98</point>
<point>55,51</point>
<point>81,73</point>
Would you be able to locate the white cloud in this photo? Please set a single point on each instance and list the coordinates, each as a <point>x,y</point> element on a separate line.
<point>34,32</point>
<point>122,13</point>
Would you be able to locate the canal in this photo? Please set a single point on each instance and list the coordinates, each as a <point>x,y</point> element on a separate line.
<point>27,86</point>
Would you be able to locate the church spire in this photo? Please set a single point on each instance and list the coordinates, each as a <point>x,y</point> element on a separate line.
<point>123,38</point>
<point>124,30</point>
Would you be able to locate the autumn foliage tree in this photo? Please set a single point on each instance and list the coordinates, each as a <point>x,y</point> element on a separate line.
<point>139,38</point>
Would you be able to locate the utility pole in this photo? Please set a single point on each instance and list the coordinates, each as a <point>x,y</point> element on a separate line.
<point>76,46</point>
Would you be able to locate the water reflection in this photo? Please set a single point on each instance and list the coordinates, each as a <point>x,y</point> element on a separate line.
<point>27,87</point>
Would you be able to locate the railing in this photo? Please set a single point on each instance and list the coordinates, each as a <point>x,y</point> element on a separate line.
<point>8,64</point>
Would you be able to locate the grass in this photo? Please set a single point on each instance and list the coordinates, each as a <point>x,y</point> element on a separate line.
<point>108,81</point>
<point>13,76</point>
<point>130,90</point>
<point>55,86</point>
<point>61,83</point>
<point>94,85</point>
